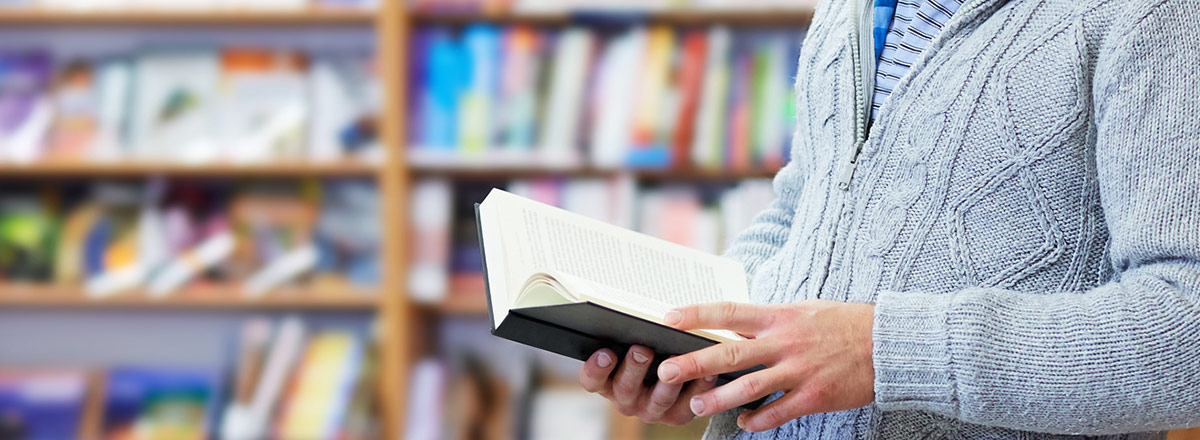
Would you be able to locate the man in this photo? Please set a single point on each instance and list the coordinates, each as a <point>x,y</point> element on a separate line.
<point>1001,240</point>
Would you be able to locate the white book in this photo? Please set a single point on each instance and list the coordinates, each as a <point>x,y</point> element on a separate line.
<point>564,101</point>
<point>616,96</point>
<point>174,106</point>
<point>432,209</point>
<point>113,87</point>
<point>263,116</point>
<point>285,351</point>
<point>537,256</point>
<point>341,90</point>
<point>426,401</point>
<point>711,123</point>
<point>287,267</point>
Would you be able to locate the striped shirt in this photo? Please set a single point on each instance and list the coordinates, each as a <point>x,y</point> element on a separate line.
<point>910,26</point>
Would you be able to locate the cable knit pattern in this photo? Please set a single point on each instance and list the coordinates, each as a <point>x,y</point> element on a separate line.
<point>1024,215</point>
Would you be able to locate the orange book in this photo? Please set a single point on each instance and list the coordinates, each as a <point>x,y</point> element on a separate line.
<point>660,41</point>
<point>691,86</point>
<point>740,115</point>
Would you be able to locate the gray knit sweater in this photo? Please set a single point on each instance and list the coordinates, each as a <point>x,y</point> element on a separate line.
<point>1025,213</point>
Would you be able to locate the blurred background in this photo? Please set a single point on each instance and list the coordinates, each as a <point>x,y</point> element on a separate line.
<point>251,219</point>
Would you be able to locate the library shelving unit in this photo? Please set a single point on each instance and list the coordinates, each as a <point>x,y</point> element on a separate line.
<point>147,169</point>
<point>387,302</point>
<point>255,18</point>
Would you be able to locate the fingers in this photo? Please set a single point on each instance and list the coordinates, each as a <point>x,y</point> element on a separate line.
<point>594,376</point>
<point>627,384</point>
<point>741,318</point>
<point>775,414</point>
<point>661,399</point>
<point>744,390</point>
<point>681,412</point>
<point>718,359</point>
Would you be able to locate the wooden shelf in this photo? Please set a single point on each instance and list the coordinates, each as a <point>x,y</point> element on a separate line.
<point>278,169</point>
<point>220,18</point>
<point>461,304</point>
<point>765,17</point>
<point>504,173</point>
<point>208,298</point>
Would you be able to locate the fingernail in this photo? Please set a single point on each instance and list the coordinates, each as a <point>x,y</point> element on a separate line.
<point>640,358</point>
<point>697,406</point>
<point>603,360</point>
<point>741,422</point>
<point>672,317</point>
<point>710,379</point>
<point>668,372</point>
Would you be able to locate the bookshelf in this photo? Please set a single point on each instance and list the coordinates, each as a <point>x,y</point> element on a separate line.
<point>482,173</point>
<point>232,18</point>
<point>214,298</point>
<point>732,17</point>
<point>146,169</point>
<point>386,302</point>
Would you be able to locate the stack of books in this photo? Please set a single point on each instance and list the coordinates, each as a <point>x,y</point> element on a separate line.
<point>646,97</point>
<point>237,105</point>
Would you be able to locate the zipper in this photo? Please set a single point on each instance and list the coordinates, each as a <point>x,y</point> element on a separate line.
<point>864,75</point>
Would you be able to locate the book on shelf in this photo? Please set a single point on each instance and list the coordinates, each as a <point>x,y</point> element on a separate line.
<point>652,97</point>
<point>322,387</point>
<point>571,285</point>
<point>42,404</point>
<point>26,111</point>
<point>432,211</point>
<point>427,408</point>
<point>161,236</point>
<point>262,107</point>
<point>175,106</point>
<point>196,5</point>
<point>562,112</point>
<point>192,106</point>
<point>157,402</point>
<point>568,412</point>
<point>296,381</point>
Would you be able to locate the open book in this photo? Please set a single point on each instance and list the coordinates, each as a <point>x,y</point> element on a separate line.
<point>572,285</point>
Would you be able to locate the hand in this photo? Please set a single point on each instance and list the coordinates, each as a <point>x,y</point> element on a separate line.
<point>817,352</point>
<point>663,403</point>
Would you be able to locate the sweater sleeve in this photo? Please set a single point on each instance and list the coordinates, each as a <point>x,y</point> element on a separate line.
<point>769,230</point>
<point>1124,356</point>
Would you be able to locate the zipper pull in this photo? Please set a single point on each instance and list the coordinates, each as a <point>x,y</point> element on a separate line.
<point>848,171</point>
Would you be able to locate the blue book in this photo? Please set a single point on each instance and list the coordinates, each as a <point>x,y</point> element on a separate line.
<point>446,77</point>
<point>418,83</point>
<point>161,400</point>
<point>32,413</point>
<point>482,45</point>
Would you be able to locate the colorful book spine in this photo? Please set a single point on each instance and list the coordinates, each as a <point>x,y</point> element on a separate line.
<point>649,149</point>
<point>477,100</point>
<point>691,87</point>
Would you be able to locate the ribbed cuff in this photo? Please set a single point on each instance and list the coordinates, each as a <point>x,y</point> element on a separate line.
<point>912,360</point>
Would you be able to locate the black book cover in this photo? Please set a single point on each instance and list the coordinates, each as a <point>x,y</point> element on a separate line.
<point>580,329</point>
